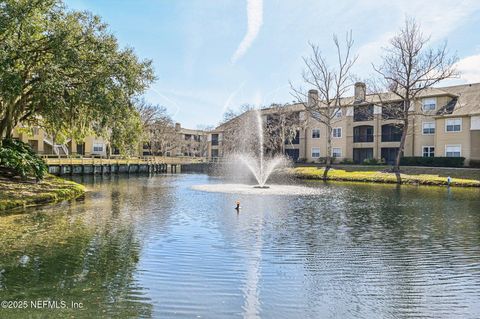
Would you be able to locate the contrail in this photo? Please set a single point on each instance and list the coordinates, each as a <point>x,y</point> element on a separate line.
<point>254,22</point>
<point>175,104</point>
<point>231,97</point>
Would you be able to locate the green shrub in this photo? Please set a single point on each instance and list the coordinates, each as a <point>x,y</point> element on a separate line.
<point>18,159</point>
<point>432,161</point>
<point>347,161</point>
<point>371,161</point>
<point>475,163</point>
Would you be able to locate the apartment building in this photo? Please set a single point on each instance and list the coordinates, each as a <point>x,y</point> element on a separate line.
<point>444,122</point>
<point>44,143</point>
<point>183,142</point>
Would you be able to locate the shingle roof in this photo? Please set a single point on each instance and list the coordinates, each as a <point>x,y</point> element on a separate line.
<point>468,98</point>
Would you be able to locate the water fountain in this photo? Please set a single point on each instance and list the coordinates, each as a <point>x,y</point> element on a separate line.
<point>256,162</point>
<point>261,167</point>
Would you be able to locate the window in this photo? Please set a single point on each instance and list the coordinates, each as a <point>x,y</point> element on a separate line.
<point>337,132</point>
<point>315,133</point>
<point>428,151</point>
<point>315,152</point>
<point>338,113</point>
<point>428,128</point>
<point>336,152</point>
<point>453,125</point>
<point>429,104</point>
<point>98,147</point>
<point>453,150</point>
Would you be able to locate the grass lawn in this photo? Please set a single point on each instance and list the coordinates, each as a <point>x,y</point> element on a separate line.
<point>380,177</point>
<point>23,193</point>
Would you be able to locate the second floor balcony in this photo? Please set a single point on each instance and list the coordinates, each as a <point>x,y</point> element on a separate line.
<point>295,140</point>
<point>214,139</point>
<point>363,134</point>
<point>392,132</point>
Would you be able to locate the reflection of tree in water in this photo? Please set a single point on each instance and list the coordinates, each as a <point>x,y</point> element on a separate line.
<point>62,258</point>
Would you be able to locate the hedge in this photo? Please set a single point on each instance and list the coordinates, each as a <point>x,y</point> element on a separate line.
<point>432,161</point>
<point>475,163</point>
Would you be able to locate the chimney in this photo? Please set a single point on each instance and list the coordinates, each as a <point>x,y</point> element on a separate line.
<point>360,92</point>
<point>177,126</point>
<point>312,97</point>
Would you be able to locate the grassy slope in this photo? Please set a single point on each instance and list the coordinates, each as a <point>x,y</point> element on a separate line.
<point>380,177</point>
<point>19,193</point>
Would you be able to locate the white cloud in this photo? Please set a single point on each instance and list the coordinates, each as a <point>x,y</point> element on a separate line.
<point>470,68</point>
<point>254,23</point>
<point>436,18</point>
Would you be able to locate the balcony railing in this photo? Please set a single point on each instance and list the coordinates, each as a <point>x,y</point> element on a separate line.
<point>391,137</point>
<point>366,138</point>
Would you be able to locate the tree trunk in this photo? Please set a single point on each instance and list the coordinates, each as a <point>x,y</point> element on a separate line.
<point>7,123</point>
<point>328,158</point>
<point>396,167</point>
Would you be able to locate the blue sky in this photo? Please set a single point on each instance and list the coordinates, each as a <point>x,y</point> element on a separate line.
<point>210,55</point>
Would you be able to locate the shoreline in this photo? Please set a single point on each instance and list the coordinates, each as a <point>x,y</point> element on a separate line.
<point>335,174</point>
<point>17,193</point>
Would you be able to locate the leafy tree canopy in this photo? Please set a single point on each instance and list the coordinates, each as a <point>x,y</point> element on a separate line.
<point>63,70</point>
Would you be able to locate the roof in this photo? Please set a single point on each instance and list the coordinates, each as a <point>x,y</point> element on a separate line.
<point>191,131</point>
<point>468,102</point>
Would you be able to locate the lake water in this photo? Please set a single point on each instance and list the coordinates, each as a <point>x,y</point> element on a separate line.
<point>154,247</point>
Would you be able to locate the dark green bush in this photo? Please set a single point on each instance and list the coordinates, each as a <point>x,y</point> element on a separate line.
<point>432,161</point>
<point>18,159</point>
<point>323,160</point>
<point>371,161</point>
<point>475,163</point>
<point>347,161</point>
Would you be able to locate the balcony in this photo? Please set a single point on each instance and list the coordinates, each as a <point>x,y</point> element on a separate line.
<point>391,133</point>
<point>214,139</point>
<point>363,113</point>
<point>296,139</point>
<point>363,134</point>
<point>368,138</point>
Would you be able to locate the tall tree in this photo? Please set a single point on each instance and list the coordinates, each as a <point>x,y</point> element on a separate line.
<point>64,70</point>
<point>409,68</point>
<point>327,86</point>
<point>239,130</point>
<point>158,128</point>
<point>281,127</point>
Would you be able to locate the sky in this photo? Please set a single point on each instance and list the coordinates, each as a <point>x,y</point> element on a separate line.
<point>214,55</point>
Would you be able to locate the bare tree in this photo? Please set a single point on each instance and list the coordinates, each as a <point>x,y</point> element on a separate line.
<point>330,84</point>
<point>408,69</point>
<point>158,128</point>
<point>281,127</point>
<point>238,128</point>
